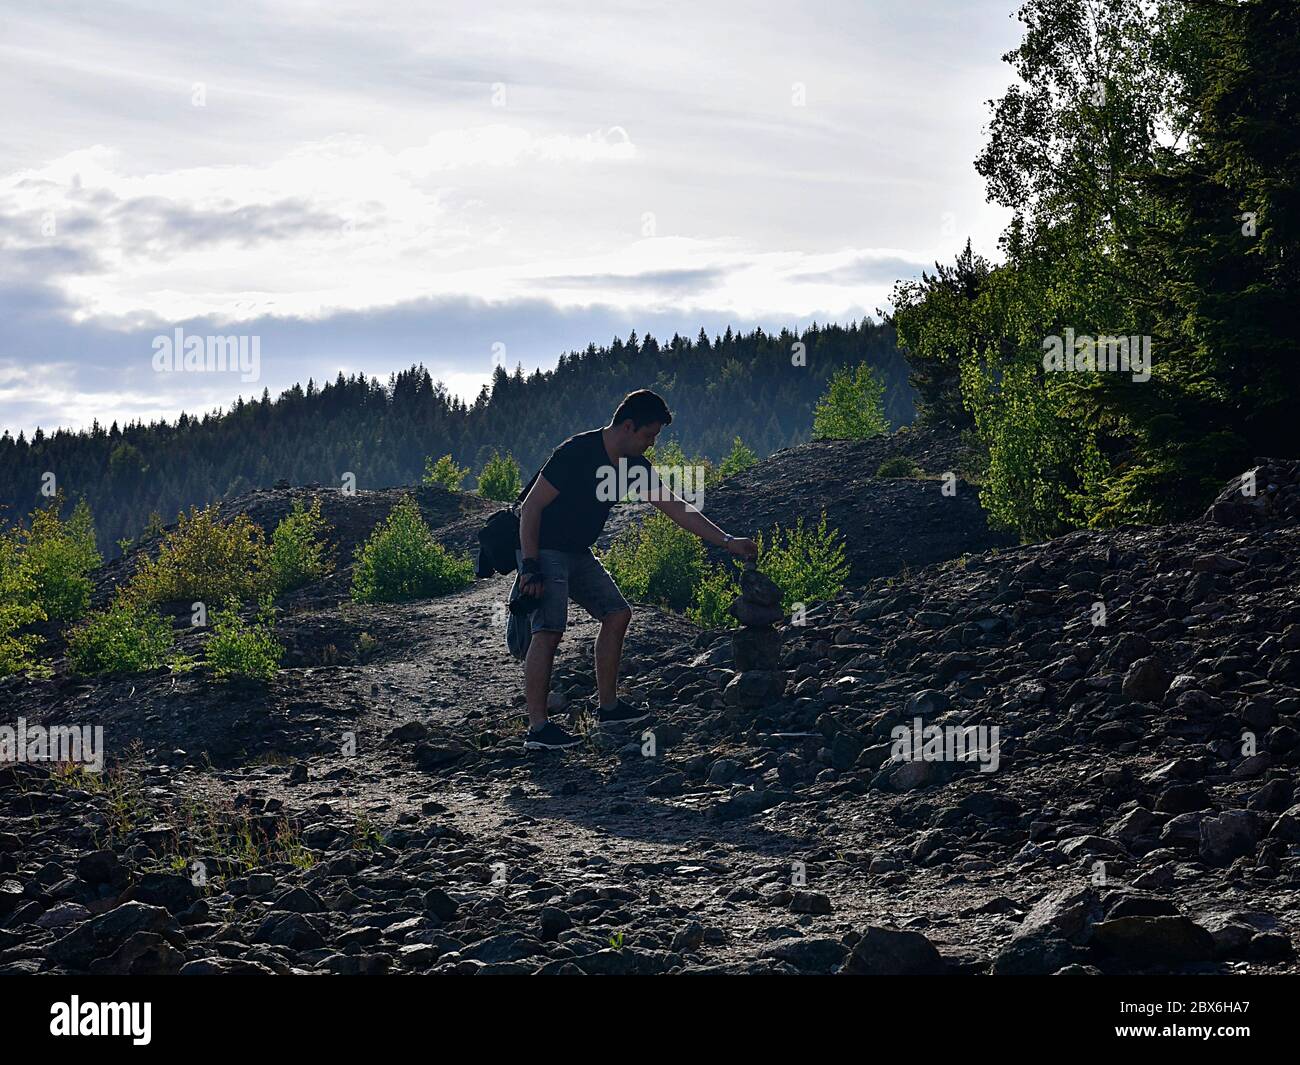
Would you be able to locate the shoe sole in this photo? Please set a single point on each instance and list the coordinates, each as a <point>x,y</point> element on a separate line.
<point>623,720</point>
<point>534,745</point>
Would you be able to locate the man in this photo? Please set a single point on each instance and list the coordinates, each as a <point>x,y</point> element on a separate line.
<point>565,508</point>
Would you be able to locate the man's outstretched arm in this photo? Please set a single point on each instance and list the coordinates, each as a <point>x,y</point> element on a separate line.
<point>693,521</point>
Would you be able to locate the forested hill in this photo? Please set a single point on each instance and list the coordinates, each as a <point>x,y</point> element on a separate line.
<point>750,386</point>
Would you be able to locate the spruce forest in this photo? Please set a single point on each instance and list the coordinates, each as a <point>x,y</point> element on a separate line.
<point>758,386</point>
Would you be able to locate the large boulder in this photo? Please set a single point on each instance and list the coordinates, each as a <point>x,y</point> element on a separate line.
<point>891,952</point>
<point>101,936</point>
<point>1035,956</point>
<point>1154,940</point>
<point>1231,835</point>
<point>143,954</point>
<point>1268,492</point>
<point>284,928</point>
<point>811,955</point>
<point>1068,914</point>
<point>168,890</point>
<point>1287,826</point>
<point>1147,680</point>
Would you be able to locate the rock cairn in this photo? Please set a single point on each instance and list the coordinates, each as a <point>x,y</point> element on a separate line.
<point>756,645</point>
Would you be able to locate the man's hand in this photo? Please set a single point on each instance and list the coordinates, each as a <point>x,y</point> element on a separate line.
<point>530,577</point>
<point>744,548</point>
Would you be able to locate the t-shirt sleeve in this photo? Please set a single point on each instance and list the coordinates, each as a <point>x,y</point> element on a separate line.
<point>561,469</point>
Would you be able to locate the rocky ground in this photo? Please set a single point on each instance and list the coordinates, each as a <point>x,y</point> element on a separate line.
<point>372,810</point>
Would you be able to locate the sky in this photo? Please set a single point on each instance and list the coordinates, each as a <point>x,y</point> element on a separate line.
<point>364,186</point>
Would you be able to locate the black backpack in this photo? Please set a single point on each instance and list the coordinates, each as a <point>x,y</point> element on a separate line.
<point>498,541</point>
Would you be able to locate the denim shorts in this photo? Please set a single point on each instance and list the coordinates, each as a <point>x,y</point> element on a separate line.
<point>576,575</point>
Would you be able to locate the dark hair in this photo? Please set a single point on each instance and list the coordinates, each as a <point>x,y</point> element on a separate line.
<point>643,407</point>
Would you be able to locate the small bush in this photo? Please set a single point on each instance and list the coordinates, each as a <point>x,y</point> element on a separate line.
<point>204,559</point>
<point>367,647</point>
<point>401,560</point>
<point>500,479</point>
<point>657,562</point>
<point>899,466</point>
<point>57,556</point>
<point>666,452</point>
<point>18,607</point>
<point>299,553</point>
<point>715,592</point>
<point>853,407</point>
<point>127,637</point>
<point>740,458</point>
<point>238,648</point>
<point>808,564</point>
<point>446,473</point>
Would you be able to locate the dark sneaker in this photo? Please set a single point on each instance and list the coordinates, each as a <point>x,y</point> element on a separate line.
<point>621,713</point>
<point>550,737</point>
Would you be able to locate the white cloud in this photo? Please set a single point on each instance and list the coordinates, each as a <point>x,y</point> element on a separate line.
<point>350,164</point>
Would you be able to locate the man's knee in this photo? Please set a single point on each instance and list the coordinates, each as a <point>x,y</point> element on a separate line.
<point>546,641</point>
<point>617,620</point>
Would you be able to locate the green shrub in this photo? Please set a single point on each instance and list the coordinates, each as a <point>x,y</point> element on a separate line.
<point>446,473</point>
<point>238,648</point>
<point>127,637</point>
<point>666,452</point>
<point>56,556</point>
<point>500,479</point>
<point>713,594</point>
<point>657,562</point>
<point>204,559</point>
<point>18,607</point>
<point>299,553</point>
<point>808,564</point>
<point>853,407</point>
<point>401,560</point>
<point>899,466</point>
<point>739,458</point>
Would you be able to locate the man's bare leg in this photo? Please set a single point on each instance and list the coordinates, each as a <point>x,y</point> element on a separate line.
<point>609,652</point>
<point>537,674</point>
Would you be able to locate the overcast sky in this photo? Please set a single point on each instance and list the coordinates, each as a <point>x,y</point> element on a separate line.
<point>365,186</point>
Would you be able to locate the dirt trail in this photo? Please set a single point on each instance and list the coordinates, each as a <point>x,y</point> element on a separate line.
<point>585,817</point>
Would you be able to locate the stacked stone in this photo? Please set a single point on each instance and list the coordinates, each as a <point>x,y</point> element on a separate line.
<point>756,645</point>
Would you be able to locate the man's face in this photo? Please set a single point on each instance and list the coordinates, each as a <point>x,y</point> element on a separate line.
<point>642,438</point>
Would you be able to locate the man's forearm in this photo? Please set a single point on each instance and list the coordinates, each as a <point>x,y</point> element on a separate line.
<point>692,520</point>
<point>530,524</point>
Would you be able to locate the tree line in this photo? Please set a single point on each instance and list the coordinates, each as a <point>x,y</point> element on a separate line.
<point>760,386</point>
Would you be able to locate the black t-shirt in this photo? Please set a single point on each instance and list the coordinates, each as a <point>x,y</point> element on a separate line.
<point>589,484</point>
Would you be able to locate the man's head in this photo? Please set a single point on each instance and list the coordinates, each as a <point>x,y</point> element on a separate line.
<point>638,420</point>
